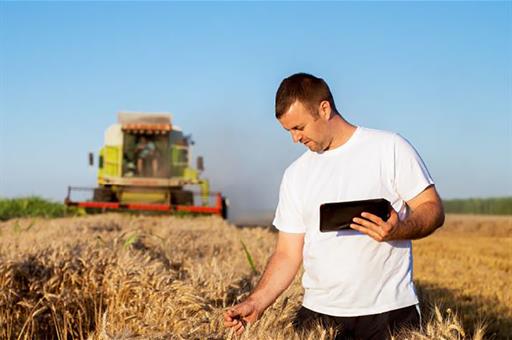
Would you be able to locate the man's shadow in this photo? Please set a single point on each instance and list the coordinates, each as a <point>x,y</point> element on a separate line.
<point>472,310</point>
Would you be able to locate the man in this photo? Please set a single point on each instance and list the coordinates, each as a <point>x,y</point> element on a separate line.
<point>146,152</point>
<point>358,279</point>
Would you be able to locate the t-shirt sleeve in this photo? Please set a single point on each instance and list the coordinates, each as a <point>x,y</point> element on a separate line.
<point>288,217</point>
<point>411,176</point>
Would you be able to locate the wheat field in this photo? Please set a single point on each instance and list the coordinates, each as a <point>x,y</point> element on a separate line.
<point>116,276</point>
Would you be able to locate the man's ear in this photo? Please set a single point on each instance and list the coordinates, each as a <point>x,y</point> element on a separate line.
<point>325,110</point>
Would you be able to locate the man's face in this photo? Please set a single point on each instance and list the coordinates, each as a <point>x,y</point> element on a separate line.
<point>312,131</point>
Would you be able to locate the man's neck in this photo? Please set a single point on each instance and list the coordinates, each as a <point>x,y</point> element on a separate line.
<point>341,132</point>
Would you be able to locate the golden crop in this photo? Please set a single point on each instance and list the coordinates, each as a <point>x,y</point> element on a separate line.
<point>136,277</point>
<point>467,266</point>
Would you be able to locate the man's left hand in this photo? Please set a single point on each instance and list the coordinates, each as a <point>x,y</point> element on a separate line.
<point>376,227</point>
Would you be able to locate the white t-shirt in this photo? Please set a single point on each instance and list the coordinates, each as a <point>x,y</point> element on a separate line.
<point>347,273</point>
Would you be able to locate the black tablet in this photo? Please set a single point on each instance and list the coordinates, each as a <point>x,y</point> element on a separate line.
<point>339,215</point>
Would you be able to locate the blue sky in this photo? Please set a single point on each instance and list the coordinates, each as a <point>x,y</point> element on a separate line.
<point>438,73</point>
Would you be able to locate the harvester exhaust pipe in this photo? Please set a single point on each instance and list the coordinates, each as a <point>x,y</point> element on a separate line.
<point>200,163</point>
<point>91,159</point>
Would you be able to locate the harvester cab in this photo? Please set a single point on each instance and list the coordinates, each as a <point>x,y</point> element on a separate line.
<point>145,165</point>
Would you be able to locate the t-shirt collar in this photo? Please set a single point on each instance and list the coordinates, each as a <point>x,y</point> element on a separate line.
<point>342,147</point>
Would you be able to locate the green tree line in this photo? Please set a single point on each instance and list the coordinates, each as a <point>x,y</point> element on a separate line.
<point>37,206</point>
<point>491,206</point>
<point>33,206</point>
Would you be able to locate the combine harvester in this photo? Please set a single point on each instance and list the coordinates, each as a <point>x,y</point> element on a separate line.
<point>144,165</point>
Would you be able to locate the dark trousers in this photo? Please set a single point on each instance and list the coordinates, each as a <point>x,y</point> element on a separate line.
<point>375,326</point>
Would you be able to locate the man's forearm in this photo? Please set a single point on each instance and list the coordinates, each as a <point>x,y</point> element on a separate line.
<point>421,222</point>
<point>278,275</point>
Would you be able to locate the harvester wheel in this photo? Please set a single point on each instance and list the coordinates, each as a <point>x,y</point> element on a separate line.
<point>103,195</point>
<point>182,197</point>
<point>225,205</point>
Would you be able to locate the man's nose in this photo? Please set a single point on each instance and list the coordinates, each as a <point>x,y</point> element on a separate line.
<point>296,136</point>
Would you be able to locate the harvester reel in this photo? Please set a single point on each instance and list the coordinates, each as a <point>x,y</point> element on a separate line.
<point>182,197</point>
<point>103,195</point>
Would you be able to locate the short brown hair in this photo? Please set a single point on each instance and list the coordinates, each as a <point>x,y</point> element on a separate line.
<point>307,89</point>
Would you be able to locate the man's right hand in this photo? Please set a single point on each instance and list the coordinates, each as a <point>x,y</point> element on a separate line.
<point>238,316</point>
<point>278,275</point>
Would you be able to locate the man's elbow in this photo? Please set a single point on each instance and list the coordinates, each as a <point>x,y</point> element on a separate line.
<point>289,260</point>
<point>440,216</point>
<point>437,217</point>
